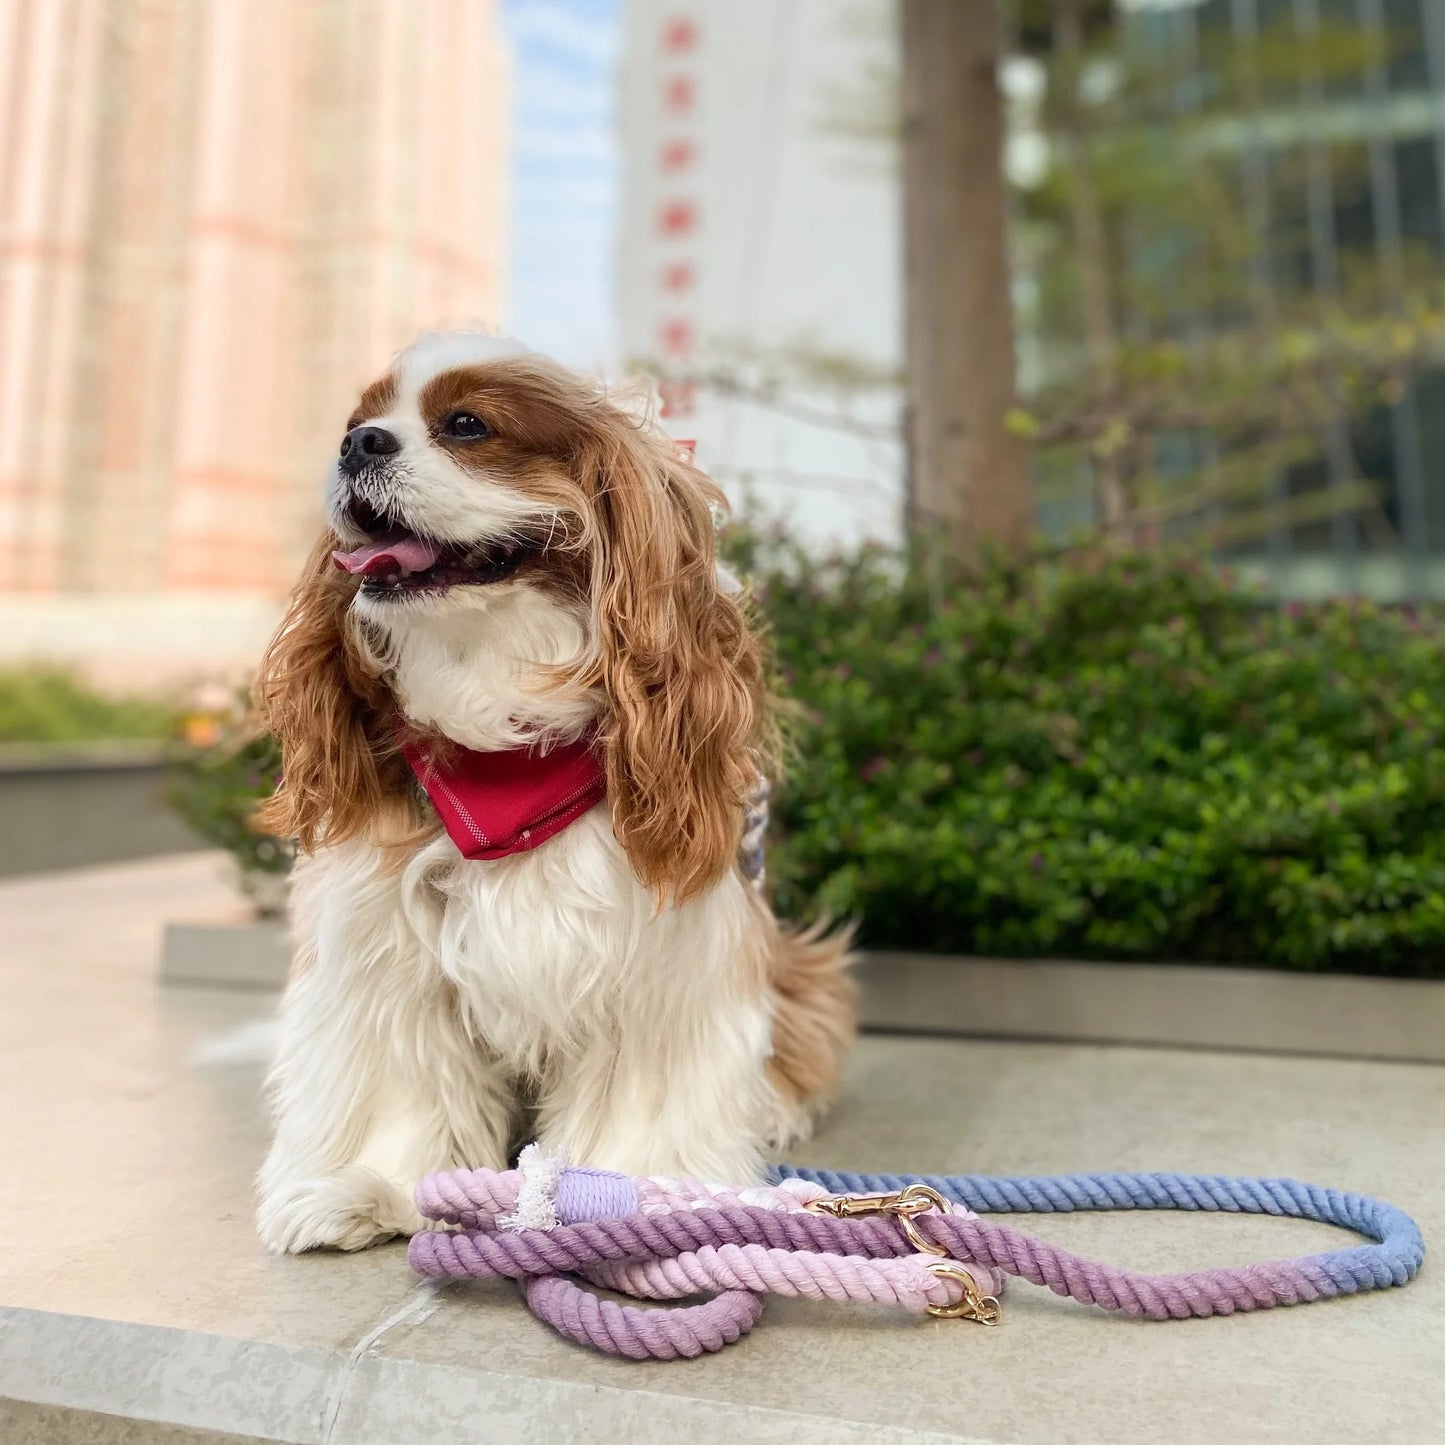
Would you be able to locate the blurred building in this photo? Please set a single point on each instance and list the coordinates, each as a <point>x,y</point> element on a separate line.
<point>220,217</point>
<point>760,259</point>
<point>1344,176</point>
<point>760,262</point>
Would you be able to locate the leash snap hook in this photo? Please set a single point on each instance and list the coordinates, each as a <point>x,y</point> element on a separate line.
<point>982,1309</point>
<point>904,1205</point>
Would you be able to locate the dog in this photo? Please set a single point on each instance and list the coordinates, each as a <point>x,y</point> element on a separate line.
<point>518,592</point>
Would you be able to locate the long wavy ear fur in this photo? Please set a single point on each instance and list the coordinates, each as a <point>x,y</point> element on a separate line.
<point>335,721</point>
<point>677,659</point>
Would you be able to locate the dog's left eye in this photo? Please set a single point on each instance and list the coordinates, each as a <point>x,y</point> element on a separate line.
<point>466,425</point>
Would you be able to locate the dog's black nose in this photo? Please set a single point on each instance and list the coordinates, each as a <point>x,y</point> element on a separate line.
<point>363,445</point>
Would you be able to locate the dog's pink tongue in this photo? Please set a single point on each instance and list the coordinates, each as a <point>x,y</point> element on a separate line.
<point>400,552</point>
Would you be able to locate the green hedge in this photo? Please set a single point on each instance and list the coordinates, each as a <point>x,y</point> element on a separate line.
<point>1114,758</point>
<point>1120,758</point>
<point>217,786</point>
<point>42,704</point>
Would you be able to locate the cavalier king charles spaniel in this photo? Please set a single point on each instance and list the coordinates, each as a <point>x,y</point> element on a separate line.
<point>520,720</point>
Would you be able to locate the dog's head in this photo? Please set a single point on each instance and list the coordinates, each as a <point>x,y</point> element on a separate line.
<point>514,558</point>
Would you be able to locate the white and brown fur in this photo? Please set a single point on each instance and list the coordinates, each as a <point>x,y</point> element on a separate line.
<point>619,992</point>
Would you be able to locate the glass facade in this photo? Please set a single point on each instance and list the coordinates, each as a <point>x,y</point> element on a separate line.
<point>1343,171</point>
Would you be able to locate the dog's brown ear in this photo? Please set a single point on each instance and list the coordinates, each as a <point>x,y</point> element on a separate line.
<point>334,720</point>
<point>677,660</point>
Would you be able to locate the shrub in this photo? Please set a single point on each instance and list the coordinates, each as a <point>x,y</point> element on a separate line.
<point>44,704</point>
<point>1125,757</point>
<point>216,783</point>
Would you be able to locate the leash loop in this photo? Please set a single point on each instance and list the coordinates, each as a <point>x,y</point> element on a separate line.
<point>912,1241</point>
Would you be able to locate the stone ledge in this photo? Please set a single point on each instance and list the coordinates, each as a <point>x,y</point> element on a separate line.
<point>114,1375</point>
<point>226,955</point>
<point>72,807</point>
<point>1176,1005</point>
<point>1179,1005</point>
<point>83,757</point>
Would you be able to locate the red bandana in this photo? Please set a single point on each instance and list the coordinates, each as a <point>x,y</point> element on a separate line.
<point>496,804</point>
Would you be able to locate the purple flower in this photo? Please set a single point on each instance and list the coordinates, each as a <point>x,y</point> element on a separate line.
<point>1036,863</point>
<point>872,767</point>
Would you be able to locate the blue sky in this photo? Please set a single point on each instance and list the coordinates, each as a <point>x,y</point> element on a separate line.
<point>564,176</point>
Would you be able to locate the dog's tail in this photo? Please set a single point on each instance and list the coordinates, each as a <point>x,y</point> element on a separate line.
<point>815,1013</point>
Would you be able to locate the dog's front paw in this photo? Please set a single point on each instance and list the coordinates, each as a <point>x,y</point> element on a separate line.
<point>348,1210</point>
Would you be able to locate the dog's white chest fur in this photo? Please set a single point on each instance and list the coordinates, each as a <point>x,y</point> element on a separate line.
<point>549,950</point>
<point>427,994</point>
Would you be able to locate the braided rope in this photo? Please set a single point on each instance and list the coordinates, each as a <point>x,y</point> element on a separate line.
<point>473,1198</point>
<point>479,1198</point>
<point>666,1239</point>
<point>668,1334</point>
<point>657,1194</point>
<point>795,1259</point>
<point>1394,1258</point>
<point>905,1281</point>
<point>483,1254</point>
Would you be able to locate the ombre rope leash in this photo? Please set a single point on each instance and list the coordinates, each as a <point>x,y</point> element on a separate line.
<point>907,1240</point>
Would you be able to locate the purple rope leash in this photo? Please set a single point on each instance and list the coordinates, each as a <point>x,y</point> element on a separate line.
<point>668,1334</point>
<point>910,1244</point>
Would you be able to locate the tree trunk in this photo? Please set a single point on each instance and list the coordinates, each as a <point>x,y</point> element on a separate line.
<point>969,475</point>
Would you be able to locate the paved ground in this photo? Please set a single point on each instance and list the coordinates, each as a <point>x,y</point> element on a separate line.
<point>132,1291</point>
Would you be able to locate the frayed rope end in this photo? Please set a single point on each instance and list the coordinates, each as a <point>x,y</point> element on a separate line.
<point>537,1198</point>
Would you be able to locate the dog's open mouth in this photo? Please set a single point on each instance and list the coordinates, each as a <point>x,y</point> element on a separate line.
<point>398,563</point>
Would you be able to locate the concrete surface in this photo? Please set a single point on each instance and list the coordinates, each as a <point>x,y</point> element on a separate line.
<point>136,1306</point>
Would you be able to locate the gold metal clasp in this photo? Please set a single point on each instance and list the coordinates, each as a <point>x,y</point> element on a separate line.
<point>981,1308</point>
<point>905,1206</point>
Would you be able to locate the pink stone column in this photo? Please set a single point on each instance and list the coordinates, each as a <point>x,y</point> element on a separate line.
<point>52,56</point>
<point>234,428</point>
<point>121,471</point>
<point>218,219</point>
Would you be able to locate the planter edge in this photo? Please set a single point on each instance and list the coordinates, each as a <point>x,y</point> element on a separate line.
<point>1161,1005</point>
<point>226,955</point>
<point>1177,1005</point>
